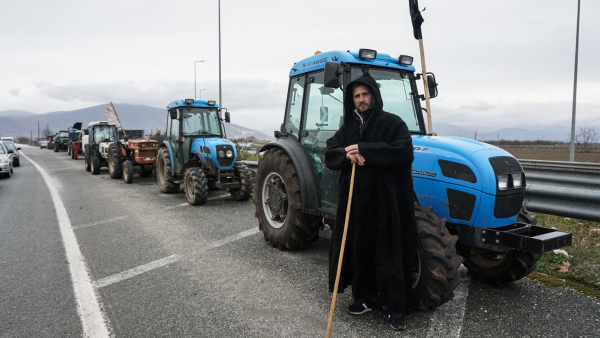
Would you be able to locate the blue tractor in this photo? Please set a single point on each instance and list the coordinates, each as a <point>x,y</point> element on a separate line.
<point>195,153</point>
<point>468,194</point>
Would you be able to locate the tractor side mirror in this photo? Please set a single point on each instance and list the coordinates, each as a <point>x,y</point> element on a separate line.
<point>227,117</point>
<point>173,114</point>
<point>432,85</point>
<point>331,75</point>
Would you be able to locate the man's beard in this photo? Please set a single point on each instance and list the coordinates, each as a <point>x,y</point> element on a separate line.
<point>362,108</point>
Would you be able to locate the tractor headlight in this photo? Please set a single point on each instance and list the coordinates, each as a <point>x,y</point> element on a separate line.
<point>221,154</point>
<point>229,153</point>
<point>517,180</point>
<point>503,181</point>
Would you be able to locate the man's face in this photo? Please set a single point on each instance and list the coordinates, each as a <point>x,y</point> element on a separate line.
<point>362,98</point>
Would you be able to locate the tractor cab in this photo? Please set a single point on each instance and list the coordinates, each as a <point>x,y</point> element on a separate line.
<point>97,143</point>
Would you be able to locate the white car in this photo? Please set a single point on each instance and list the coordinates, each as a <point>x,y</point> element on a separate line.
<point>6,165</point>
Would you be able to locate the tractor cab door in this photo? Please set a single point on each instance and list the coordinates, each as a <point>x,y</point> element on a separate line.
<point>322,117</point>
<point>173,135</point>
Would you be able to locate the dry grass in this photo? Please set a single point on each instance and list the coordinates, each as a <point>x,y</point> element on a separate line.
<point>547,154</point>
<point>584,254</point>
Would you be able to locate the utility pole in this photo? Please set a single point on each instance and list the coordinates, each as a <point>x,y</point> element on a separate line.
<point>572,147</point>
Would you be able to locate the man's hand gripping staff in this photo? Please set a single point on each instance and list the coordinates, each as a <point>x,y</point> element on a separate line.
<point>354,155</point>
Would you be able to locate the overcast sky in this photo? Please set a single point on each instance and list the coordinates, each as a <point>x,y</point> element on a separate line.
<point>499,63</point>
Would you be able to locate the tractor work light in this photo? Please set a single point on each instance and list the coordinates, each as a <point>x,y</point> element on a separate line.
<point>405,60</point>
<point>229,153</point>
<point>503,181</point>
<point>517,180</point>
<point>221,154</point>
<point>188,101</point>
<point>367,54</point>
<point>211,103</point>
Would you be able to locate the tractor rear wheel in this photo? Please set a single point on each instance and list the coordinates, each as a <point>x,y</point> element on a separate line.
<point>244,176</point>
<point>278,203</point>
<point>114,161</point>
<point>88,157</point>
<point>492,267</point>
<point>164,174</point>
<point>128,172</point>
<point>196,188</point>
<point>95,165</point>
<point>436,272</point>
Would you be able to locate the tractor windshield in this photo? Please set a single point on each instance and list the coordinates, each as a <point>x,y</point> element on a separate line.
<point>104,134</point>
<point>396,92</point>
<point>63,134</point>
<point>201,121</point>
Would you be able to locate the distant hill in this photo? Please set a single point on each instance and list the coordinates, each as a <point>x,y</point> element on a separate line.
<point>15,113</point>
<point>550,133</point>
<point>132,117</point>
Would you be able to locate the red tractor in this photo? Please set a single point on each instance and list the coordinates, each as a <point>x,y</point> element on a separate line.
<point>128,155</point>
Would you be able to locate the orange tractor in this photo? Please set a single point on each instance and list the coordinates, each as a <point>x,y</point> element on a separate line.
<point>130,155</point>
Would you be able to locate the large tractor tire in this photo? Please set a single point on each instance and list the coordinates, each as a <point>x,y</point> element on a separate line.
<point>196,187</point>
<point>436,272</point>
<point>128,172</point>
<point>164,174</point>
<point>88,157</point>
<point>95,165</point>
<point>115,169</point>
<point>278,203</point>
<point>492,267</point>
<point>244,176</point>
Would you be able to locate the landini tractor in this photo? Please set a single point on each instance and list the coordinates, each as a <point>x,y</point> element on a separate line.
<point>96,145</point>
<point>468,194</point>
<point>195,153</point>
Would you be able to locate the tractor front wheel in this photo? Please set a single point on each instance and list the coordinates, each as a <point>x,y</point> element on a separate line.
<point>492,267</point>
<point>278,203</point>
<point>128,172</point>
<point>164,173</point>
<point>435,274</point>
<point>244,176</point>
<point>95,165</point>
<point>196,188</point>
<point>88,157</point>
<point>114,161</point>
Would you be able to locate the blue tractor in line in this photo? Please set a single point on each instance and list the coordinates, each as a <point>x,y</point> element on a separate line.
<point>468,194</point>
<point>195,153</point>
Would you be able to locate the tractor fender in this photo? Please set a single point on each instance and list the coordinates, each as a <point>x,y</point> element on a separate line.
<point>167,145</point>
<point>303,165</point>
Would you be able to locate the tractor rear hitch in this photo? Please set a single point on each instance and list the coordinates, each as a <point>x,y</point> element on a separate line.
<point>518,236</point>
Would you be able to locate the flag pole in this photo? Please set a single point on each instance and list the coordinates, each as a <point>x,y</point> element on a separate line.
<point>426,86</point>
<point>118,119</point>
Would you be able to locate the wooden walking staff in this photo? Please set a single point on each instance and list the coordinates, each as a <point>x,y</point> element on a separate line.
<point>339,267</point>
<point>417,20</point>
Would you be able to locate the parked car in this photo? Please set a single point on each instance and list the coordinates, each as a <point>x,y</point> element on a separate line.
<point>6,165</point>
<point>43,144</point>
<point>15,154</point>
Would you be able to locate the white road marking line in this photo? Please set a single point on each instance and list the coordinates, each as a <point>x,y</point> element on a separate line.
<point>448,319</point>
<point>92,318</point>
<point>170,259</point>
<point>99,222</point>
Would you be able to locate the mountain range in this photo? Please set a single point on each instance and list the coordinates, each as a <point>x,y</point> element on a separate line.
<point>21,123</point>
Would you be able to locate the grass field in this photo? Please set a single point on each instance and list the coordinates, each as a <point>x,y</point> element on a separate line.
<point>553,154</point>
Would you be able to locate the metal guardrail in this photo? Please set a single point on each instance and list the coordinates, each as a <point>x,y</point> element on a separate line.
<point>567,193</point>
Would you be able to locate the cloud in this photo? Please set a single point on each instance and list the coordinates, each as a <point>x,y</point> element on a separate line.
<point>477,106</point>
<point>14,91</point>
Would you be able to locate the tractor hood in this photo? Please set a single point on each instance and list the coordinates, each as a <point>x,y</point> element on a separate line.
<point>458,161</point>
<point>208,149</point>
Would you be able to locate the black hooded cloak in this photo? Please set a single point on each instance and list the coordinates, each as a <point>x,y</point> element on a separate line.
<point>380,247</point>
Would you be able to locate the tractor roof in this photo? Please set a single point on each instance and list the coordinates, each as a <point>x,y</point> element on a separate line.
<point>195,103</point>
<point>98,123</point>
<point>318,60</point>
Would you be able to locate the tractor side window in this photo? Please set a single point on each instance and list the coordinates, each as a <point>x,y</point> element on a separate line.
<point>395,88</point>
<point>294,107</point>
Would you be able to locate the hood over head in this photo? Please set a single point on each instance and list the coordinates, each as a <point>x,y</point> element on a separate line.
<point>368,81</point>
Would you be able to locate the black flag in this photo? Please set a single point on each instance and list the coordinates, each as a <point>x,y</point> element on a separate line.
<point>416,18</point>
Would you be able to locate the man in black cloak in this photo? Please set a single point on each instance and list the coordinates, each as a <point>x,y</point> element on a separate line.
<point>380,250</point>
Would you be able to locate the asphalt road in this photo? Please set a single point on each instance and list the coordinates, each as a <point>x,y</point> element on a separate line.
<point>160,267</point>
